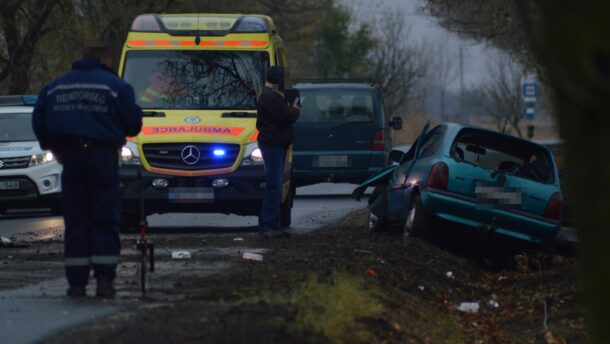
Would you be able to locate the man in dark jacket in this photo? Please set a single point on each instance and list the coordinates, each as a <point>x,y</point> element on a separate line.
<point>274,123</point>
<point>83,117</point>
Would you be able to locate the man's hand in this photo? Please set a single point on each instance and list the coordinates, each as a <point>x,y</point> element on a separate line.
<point>295,104</point>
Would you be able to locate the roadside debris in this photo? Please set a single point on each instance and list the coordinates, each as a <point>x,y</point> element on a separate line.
<point>181,255</point>
<point>469,307</point>
<point>493,304</point>
<point>4,242</point>
<point>238,239</point>
<point>371,272</point>
<point>550,338</point>
<point>252,256</point>
<point>449,274</point>
<point>421,288</point>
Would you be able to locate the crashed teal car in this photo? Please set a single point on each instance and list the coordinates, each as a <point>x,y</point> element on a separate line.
<point>477,178</point>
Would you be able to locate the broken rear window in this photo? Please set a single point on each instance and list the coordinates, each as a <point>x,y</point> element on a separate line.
<point>498,152</point>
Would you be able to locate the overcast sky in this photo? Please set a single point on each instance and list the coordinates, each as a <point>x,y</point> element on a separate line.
<point>477,57</point>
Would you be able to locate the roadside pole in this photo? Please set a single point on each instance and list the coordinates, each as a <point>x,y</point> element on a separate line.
<point>530,96</point>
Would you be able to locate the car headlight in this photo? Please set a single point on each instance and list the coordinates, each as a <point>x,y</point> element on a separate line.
<point>129,154</point>
<point>252,155</point>
<point>42,158</point>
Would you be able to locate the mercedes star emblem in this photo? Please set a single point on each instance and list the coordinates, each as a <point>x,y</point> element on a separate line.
<point>192,120</point>
<point>190,155</point>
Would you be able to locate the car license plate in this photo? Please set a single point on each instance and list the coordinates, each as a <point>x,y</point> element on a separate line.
<point>9,185</point>
<point>191,195</point>
<point>498,196</point>
<point>333,161</point>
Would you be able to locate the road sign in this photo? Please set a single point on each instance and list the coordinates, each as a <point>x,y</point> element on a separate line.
<point>530,90</point>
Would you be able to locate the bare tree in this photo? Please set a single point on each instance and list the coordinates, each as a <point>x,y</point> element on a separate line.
<point>399,63</point>
<point>501,97</point>
<point>22,25</point>
<point>443,72</point>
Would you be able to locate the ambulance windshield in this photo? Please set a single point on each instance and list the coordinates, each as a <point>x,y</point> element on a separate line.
<point>187,79</point>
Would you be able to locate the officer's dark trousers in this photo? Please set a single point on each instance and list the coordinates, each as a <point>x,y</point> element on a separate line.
<point>91,205</point>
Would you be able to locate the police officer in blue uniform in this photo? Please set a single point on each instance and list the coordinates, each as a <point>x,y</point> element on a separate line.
<point>83,117</point>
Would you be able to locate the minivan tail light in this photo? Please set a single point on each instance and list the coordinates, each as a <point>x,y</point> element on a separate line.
<point>554,207</point>
<point>439,176</point>
<point>379,141</point>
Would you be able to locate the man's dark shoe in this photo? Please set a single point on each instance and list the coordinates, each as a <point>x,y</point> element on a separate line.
<point>280,233</point>
<point>105,288</point>
<point>74,291</point>
<point>284,234</point>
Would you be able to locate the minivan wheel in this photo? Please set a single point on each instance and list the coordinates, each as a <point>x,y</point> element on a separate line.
<point>286,210</point>
<point>417,223</point>
<point>56,210</point>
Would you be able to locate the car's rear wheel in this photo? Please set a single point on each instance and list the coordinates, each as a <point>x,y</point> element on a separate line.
<point>417,223</point>
<point>286,210</point>
<point>130,223</point>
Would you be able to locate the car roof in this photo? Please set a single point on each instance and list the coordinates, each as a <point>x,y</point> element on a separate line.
<point>16,109</point>
<point>326,85</point>
<point>454,128</point>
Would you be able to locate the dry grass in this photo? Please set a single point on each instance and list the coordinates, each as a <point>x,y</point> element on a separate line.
<point>331,307</point>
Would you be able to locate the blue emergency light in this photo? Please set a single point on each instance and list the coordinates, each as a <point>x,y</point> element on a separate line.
<point>219,153</point>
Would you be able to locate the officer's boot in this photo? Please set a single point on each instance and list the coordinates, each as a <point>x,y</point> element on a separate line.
<point>105,287</point>
<point>77,291</point>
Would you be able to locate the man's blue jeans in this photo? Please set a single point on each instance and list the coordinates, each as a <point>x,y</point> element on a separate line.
<point>273,157</point>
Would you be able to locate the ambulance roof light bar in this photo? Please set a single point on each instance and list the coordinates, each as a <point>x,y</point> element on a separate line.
<point>189,25</point>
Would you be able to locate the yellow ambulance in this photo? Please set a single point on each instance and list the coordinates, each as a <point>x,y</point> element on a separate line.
<point>197,77</point>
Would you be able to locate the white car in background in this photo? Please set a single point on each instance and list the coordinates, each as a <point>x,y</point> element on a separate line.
<point>29,176</point>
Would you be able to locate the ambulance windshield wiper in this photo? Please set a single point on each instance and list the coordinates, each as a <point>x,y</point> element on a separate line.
<point>153,114</point>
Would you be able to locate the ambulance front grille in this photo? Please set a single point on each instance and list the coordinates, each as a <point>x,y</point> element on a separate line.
<point>191,156</point>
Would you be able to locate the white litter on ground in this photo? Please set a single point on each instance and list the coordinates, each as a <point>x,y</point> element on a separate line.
<point>181,255</point>
<point>252,256</point>
<point>468,307</point>
<point>449,274</point>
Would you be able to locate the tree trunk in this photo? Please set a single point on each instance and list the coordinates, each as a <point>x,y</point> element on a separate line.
<point>575,51</point>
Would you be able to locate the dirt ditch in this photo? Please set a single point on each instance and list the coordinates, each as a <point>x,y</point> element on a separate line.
<point>340,284</point>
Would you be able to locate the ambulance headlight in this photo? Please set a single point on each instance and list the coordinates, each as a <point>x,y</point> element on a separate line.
<point>252,155</point>
<point>129,154</point>
<point>42,158</point>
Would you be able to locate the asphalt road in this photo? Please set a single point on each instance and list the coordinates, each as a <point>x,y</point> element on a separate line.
<point>315,206</point>
<point>32,301</point>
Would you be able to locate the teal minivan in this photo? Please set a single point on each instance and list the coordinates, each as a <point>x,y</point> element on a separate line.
<point>343,134</point>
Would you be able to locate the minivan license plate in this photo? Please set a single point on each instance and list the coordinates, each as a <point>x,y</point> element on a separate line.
<point>333,161</point>
<point>9,185</point>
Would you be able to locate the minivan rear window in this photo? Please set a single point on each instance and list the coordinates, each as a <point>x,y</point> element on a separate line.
<point>502,153</point>
<point>336,105</point>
